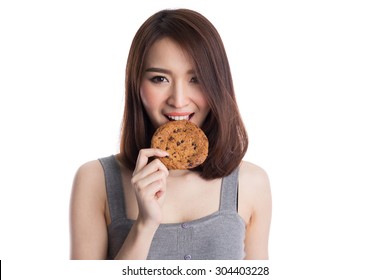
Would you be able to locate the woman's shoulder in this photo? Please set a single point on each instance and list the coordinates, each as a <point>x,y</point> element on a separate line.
<point>91,170</point>
<point>252,173</point>
<point>253,180</point>
<point>89,177</point>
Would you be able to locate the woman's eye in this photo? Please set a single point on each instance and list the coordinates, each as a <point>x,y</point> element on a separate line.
<point>158,79</point>
<point>194,80</point>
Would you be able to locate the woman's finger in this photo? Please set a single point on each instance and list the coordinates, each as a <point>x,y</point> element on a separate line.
<point>155,165</point>
<point>145,154</point>
<point>146,181</point>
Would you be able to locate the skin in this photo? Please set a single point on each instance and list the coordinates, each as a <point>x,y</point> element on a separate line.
<point>169,85</point>
<point>154,195</point>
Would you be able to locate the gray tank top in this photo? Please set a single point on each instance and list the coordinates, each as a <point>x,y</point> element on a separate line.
<point>218,236</point>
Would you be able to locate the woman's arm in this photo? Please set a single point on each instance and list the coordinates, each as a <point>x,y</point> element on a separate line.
<point>255,191</point>
<point>149,184</point>
<point>88,207</point>
<point>88,227</point>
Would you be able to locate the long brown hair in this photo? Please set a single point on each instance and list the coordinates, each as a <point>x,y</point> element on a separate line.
<point>223,126</point>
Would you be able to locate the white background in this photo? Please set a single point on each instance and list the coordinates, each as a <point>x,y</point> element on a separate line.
<point>312,82</point>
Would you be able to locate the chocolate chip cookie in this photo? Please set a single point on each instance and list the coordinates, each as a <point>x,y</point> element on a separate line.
<point>185,142</point>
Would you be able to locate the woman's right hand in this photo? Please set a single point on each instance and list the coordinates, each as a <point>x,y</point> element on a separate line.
<point>149,183</point>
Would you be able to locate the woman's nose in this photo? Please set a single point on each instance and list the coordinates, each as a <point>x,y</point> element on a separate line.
<point>178,96</point>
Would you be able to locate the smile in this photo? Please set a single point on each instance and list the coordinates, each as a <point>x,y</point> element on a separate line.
<point>179,117</point>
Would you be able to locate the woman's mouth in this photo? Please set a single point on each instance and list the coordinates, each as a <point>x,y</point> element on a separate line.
<point>179,116</point>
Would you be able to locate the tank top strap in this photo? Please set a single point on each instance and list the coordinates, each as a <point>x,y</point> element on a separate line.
<point>229,192</point>
<point>114,187</point>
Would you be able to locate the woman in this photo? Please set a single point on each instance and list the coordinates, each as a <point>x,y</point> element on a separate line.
<point>129,206</point>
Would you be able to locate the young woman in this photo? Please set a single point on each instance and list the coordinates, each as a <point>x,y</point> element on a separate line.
<point>129,206</point>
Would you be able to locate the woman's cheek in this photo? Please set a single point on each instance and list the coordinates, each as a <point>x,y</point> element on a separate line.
<point>147,96</point>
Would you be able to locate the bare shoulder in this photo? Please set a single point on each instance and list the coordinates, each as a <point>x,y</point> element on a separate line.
<point>91,170</point>
<point>254,190</point>
<point>87,213</point>
<point>89,180</point>
<point>255,206</point>
<point>253,177</point>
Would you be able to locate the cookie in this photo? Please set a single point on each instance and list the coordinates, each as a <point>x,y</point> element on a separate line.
<point>185,142</point>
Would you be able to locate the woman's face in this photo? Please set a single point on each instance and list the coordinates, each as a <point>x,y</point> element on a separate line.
<point>170,89</point>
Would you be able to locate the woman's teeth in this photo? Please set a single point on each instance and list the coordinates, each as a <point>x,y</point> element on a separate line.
<point>179,118</point>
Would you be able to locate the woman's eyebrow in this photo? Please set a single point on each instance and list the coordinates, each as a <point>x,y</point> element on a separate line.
<point>165,71</point>
<point>158,70</point>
